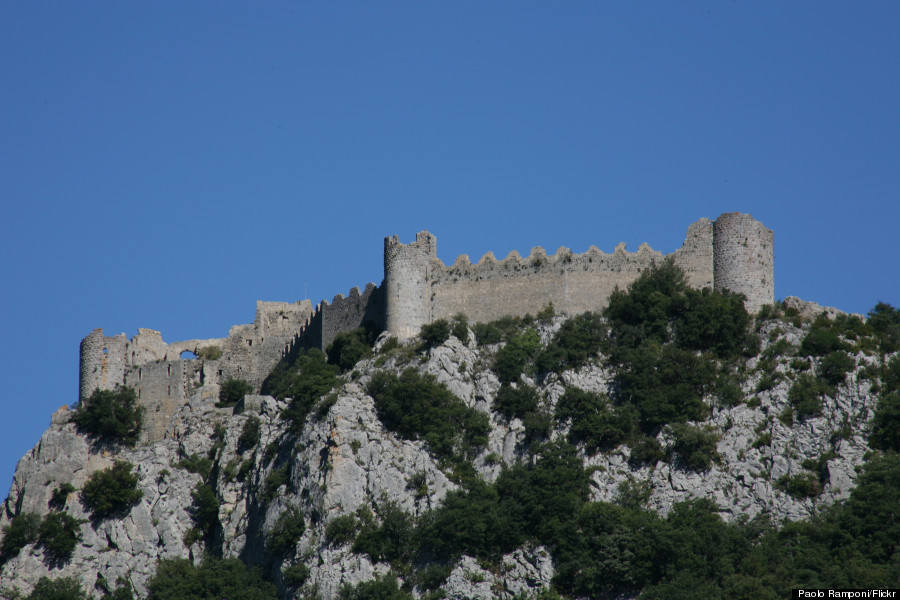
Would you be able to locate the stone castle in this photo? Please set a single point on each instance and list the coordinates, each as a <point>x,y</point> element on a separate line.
<point>734,252</point>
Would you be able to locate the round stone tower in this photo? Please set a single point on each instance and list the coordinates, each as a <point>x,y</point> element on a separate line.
<point>744,258</point>
<point>102,363</point>
<point>406,271</point>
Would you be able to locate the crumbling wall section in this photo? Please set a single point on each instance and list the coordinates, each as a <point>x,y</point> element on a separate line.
<point>350,312</point>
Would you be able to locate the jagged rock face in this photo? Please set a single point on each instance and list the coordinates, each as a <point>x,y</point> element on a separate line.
<point>344,460</point>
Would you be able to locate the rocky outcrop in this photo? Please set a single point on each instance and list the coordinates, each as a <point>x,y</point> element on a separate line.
<point>344,460</point>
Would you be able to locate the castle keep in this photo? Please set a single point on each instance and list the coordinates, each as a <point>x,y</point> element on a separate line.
<point>734,252</point>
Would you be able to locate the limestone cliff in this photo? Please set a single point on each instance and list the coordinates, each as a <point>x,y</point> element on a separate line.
<point>343,459</point>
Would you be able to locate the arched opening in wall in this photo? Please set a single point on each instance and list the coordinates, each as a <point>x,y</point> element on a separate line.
<point>105,351</point>
<point>187,355</point>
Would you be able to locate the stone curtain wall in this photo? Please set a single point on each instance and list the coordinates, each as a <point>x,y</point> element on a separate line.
<point>350,312</point>
<point>745,258</point>
<point>164,381</point>
<point>574,283</point>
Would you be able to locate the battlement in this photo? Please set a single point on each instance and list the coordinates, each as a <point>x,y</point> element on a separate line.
<point>734,252</point>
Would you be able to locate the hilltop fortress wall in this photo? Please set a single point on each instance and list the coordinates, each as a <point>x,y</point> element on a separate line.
<point>734,252</point>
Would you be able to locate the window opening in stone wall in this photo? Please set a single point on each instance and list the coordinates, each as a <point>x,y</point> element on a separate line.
<point>169,370</point>
<point>187,355</point>
<point>105,351</point>
<point>140,374</point>
<point>169,391</point>
<point>249,342</point>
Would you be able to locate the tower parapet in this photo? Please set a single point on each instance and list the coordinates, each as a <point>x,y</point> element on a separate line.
<point>744,251</point>
<point>406,276</point>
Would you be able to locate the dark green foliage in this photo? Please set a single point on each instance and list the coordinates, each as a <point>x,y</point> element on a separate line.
<point>644,312</point>
<point>21,531</point>
<point>384,588</point>
<point>296,575</point>
<point>204,511</point>
<point>500,330</point>
<point>195,463</point>
<point>820,341</point>
<point>249,437</point>
<point>595,423</point>
<point>350,347</point>
<point>511,359</point>
<point>60,495</point>
<point>62,588</point>
<point>435,333</point>
<point>341,530</point>
<point>416,407</point>
<point>233,391</point>
<point>215,578</point>
<point>645,450</point>
<point>714,322</point>
<point>834,367</point>
<point>110,416</point>
<point>729,391</point>
<point>665,384</point>
<point>58,535</point>
<point>577,342</point>
<point>695,447</point>
<point>633,494</point>
<point>111,492</point>
<point>276,478</point>
<point>460,328</point>
<point>806,395</point>
<point>886,423</point>
<point>391,540</point>
<point>884,320</point>
<point>516,401</point>
<point>285,533</point>
<point>310,378</point>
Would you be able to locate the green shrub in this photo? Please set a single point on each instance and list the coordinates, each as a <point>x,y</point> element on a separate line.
<point>383,588</point>
<point>516,401</point>
<point>58,535</point>
<point>800,486</point>
<point>341,530</point>
<point>391,540</point>
<point>820,341</point>
<point>233,391</point>
<point>575,343</point>
<point>460,328</point>
<point>350,347</point>
<point>416,407</point>
<point>511,359</point>
<point>695,447</point>
<point>645,450</point>
<point>835,366</point>
<point>295,575</point>
<point>435,333</point>
<point>60,495</point>
<point>305,383</point>
<point>276,478</point>
<point>502,329</point>
<point>62,588</point>
<point>111,492</point>
<point>210,353</point>
<point>886,423</point>
<point>195,463</point>
<point>204,511</point>
<point>594,422</point>
<point>22,530</point>
<point>180,579</point>
<point>884,320</point>
<point>249,437</point>
<point>285,533</point>
<point>110,416</point>
<point>805,396</point>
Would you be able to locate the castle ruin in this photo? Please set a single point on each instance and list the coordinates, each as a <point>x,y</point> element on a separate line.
<point>735,252</point>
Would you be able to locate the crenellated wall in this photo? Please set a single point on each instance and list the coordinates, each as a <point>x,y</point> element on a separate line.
<point>421,289</point>
<point>734,252</point>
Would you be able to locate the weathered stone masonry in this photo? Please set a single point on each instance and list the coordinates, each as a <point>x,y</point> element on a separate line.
<point>734,252</point>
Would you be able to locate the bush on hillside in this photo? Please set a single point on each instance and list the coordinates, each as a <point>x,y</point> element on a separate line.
<point>61,588</point>
<point>285,533</point>
<point>350,347</point>
<point>575,343</point>
<point>111,492</point>
<point>233,391</point>
<point>22,530</point>
<point>110,416</point>
<point>435,333</point>
<point>249,437</point>
<point>180,579</point>
<point>511,359</point>
<point>58,535</point>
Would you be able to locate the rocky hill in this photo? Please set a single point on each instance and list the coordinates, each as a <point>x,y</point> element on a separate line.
<point>525,458</point>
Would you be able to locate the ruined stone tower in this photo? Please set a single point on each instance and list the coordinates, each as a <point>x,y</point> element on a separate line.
<point>407,269</point>
<point>743,250</point>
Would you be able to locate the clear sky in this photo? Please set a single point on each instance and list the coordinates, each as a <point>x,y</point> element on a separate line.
<point>166,164</point>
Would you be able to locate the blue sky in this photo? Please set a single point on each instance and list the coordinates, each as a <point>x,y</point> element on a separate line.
<point>165,165</point>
